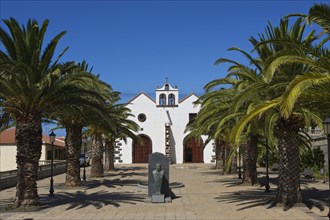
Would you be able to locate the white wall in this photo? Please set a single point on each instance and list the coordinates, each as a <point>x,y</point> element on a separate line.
<point>208,152</point>
<point>154,127</point>
<point>7,157</point>
<point>44,152</point>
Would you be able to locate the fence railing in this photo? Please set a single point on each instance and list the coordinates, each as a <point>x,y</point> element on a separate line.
<point>9,178</point>
<point>315,132</point>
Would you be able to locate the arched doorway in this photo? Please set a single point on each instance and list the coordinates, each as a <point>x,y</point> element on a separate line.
<point>193,151</point>
<point>142,149</point>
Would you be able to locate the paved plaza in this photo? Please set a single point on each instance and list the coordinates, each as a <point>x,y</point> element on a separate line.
<point>207,194</point>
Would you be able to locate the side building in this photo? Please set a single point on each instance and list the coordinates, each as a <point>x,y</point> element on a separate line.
<point>8,150</point>
<point>162,129</point>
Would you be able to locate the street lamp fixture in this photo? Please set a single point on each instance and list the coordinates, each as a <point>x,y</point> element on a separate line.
<point>239,164</point>
<point>326,128</point>
<point>84,141</point>
<point>52,137</point>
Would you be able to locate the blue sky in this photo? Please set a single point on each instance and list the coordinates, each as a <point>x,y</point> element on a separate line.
<point>135,45</point>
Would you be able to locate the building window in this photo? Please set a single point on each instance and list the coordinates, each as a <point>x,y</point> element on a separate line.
<point>162,99</point>
<point>192,116</point>
<point>142,117</point>
<point>49,155</point>
<point>171,99</point>
<point>167,87</point>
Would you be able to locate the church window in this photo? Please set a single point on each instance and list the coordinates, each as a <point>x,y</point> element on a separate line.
<point>142,117</point>
<point>167,87</point>
<point>171,99</point>
<point>162,99</point>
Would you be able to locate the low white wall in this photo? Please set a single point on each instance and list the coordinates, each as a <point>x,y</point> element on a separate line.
<point>7,157</point>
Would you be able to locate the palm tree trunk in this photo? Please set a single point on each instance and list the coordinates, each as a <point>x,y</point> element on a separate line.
<point>112,156</point>
<point>97,156</point>
<point>109,153</point>
<point>73,148</point>
<point>233,166</point>
<point>288,191</point>
<point>250,156</point>
<point>218,156</point>
<point>28,141</point>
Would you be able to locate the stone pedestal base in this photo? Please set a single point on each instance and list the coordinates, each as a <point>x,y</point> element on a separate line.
<point>168,200</point>
<point>158,198</point>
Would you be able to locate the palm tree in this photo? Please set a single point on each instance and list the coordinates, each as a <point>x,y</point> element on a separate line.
<point>109,152</point>
<point>319,14</point>
<point>75,119</point>
<point>117,125</point>
<point>31,85</point>
<point>247,82</point>
<point>317,59</point>
<point>124,127</point>
<point>97,153</point>
<point>26,77</point>
<point>214,105</point>
<point>287,129</point>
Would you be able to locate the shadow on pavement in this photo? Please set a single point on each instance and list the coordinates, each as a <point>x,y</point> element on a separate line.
<point>130,168</point>
<point>247,198</point>
<point>79,199</point>
<point>130,174</point>
<point>229,182</point>
<point>115,183</point>
<point>315,198</point>
<point>312,197</point>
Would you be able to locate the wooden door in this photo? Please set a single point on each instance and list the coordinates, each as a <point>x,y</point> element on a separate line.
<point>142,149</point>
<point>193,151</point>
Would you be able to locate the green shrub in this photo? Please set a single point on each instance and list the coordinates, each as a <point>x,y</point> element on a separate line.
<point>313,159</point>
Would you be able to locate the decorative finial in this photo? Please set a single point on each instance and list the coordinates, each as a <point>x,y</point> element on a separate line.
<point>166,79</point>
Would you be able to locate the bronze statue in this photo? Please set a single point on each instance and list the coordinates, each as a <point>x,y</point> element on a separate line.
<point>158,174</point>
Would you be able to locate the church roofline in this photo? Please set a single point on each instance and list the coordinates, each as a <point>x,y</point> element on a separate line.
<point>191,94</point>
<point>141,93</point>
<point>162,88</point>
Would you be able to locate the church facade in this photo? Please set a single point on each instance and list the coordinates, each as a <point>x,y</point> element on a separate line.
<point>162,124</point>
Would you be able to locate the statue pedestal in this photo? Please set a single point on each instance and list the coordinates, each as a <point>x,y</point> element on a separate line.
<point>158,198</point>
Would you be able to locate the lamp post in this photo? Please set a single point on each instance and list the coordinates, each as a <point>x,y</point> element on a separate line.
<point>239,164</point>
<point>103,148</point>
<point>52,137</point>
<point>267,176</point>
<point>326,128</point>
<point>84,141</point>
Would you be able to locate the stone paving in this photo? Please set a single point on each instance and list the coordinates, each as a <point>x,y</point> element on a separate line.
<point>207,194</point>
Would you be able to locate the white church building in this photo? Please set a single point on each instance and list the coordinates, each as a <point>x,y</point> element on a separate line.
<point>162,124</point>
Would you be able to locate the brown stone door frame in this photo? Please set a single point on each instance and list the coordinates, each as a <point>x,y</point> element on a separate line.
<point>193,151</point>
<point>142,149</point>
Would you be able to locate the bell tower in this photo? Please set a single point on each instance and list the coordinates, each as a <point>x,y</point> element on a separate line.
<point>167,96</point>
